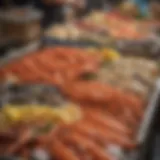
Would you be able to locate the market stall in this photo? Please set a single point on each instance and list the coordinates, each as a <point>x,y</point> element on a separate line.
<point>90,91</point>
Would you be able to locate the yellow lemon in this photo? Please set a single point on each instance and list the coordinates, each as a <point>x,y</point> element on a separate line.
<point>110,54</point>
<point>12,113</point>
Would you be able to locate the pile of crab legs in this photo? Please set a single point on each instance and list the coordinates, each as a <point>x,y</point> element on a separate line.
<point>110,116</point>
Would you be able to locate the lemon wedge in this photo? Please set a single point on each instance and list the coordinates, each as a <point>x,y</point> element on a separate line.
<point>110,54</point>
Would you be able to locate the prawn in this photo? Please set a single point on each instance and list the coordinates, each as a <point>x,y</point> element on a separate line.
<point>61,151</point>
<point>108,122</point>
<point>90,146</point>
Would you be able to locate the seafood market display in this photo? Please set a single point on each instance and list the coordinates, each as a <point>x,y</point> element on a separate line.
<point>129,35</point>
<point>120,27</point>
<point>103,28</point>
<point>27,113</point>
<point>56,66</point>
<point>96,114</point>
<point>91,133</point>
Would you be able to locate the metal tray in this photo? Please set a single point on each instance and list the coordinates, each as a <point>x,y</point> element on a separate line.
<point>148,128</point>
<point>17,94</point>
<point>30,94</point>
<point>145,127</point>
<point>152,148</point>
<point>47,41</point>
<point>145,133</point>
<point>148,47</point>
<point>15,53</point>
<point>151,145</point>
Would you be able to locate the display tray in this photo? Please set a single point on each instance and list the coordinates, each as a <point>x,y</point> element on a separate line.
<point>145,134</point>
<point>30,94</point>
<point>150,150</point>
<point>48,41</point>
<point>145,126</point>
<point>147,44</point>
<point>6,46</point>
<point>12,52</point>
<point>148,47</point>
<point>148,134</point>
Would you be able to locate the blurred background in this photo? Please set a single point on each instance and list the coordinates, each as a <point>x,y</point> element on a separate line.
<point>35,17</point>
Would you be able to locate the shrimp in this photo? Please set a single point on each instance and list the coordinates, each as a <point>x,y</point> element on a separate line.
<point>108,122</point>
<point>61,151</point>
<point>136,104</point>
<point>106,134</point>
<point>90,133</point>
<point>90,146</point>
<point>24,138</point>
<point>86,92</point>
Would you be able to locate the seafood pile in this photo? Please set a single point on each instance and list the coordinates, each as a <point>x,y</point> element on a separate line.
<point>12,93</point>
<point>94,135</point>
<point>116,25</point>
<point>131,74</point>
<point>102,28</point>
<point>106,121</point>
<point>74,32</point>
<point>55,66</point>
<point>94,95</point>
